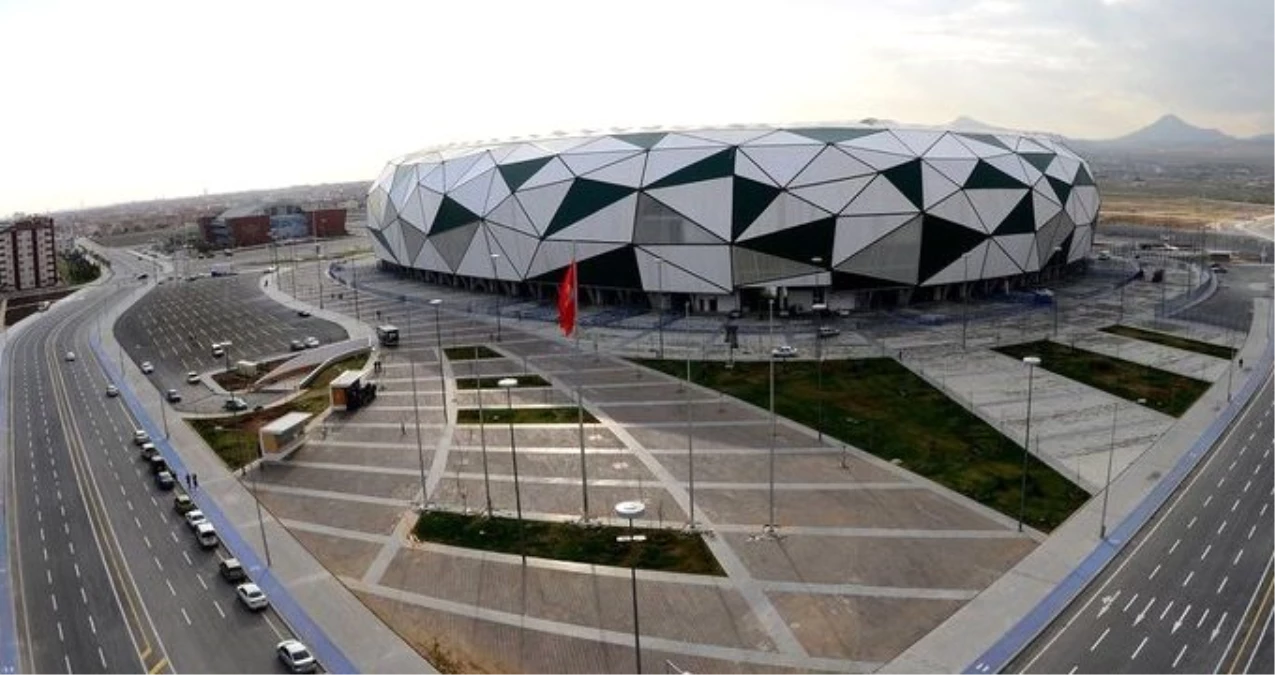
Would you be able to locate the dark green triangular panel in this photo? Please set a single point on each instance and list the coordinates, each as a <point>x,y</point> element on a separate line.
<point>800,243</point>
<point>413,240</point>
<point>641,140</point>
<point>451,215</point>
<point>835,134</point>
<point>519,172</point>
<point>1040,160</point>
<point>1061,188</point>
<point>749,199</point>
<point>613,269</point>
<point>716,165</point>
<point>380,236</point>
<point>943,243</point>
<point>1083,177</point>
<point>849,281</point>
<point>1020,220</point>
<point>907,178</point>
<point>584,198</point>
<point>985,138</point>
<point>985,176</point>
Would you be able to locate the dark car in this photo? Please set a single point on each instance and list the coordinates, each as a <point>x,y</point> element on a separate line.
<point>231,570</point>
<point>173,396</point>
<point>296,346</point>
<point>157,464</point>
<point>164,480</point>
<point>303,313</point>
<point>235,404</point>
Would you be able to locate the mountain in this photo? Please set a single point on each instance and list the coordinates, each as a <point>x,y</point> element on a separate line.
<point>1261,138</point>
<point>964,123</point>
<point>1170,130</point>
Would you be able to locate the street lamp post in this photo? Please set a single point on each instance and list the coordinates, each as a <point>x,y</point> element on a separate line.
<point>508,384</point>
<point>819,308</point>
<point>1032,362</point>
<point>499,295</point>
<point>1115,409</point>
<point>416,407</point>
<point>318,270</point>
<point>965,298</point>
<point>659,322</point>
<point>482,429</point>
<point>770,522</point>
<point>630,510</point>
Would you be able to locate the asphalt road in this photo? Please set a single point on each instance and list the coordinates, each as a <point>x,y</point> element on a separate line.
<point>109,577</point>
<point>1192,592</point>
<point>1231,305</point>
<point>175,325</point>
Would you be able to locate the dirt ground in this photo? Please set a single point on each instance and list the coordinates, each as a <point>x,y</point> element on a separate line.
<point>1175,212</point>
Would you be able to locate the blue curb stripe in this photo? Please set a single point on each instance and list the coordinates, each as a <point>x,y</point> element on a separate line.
<point>328,654</point>
<point>9,655</point>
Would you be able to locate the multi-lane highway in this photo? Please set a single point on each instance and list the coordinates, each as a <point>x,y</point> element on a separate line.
<point>108,577</point>
<point>1193,591</point>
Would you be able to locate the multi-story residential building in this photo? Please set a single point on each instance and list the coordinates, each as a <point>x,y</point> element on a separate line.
<point>28,254</point>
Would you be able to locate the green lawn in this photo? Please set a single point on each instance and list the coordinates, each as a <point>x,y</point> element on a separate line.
<point>1174,341</point>
<point>881,407</point>
<point>664,550</point>
<point>491,382</point>
<point>470,352</point>
<point>498,415</point>
<point>1164,391</point>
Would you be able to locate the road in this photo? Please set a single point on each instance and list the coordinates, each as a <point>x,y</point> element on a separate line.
<point>108,577</point>
<point>1193,591</point>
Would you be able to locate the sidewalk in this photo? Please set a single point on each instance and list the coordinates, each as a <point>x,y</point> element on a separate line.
<point>345,635</point>
<point>956,644</point>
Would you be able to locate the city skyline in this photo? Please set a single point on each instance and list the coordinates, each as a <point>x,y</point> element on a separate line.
<point>137,101</point>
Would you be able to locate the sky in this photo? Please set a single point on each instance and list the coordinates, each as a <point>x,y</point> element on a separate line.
<point>105,102</point>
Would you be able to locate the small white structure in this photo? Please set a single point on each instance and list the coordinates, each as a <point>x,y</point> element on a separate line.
<point>279,438</point>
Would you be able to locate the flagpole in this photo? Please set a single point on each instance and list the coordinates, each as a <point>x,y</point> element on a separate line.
<point>575,296</point>
<point>575,327</point>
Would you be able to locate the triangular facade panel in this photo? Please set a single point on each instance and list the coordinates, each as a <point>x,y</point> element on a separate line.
<point>516,247</point>
<point>880,196</point>
<point>747,168</point>
<point>626,172</point>
<point>854,233</point>
<point>782,137</point>
<point>1081,241</point>
<point>751,267</point>
<point>429,259</point>
<point>581,164</point>
<point>554,171</point>
<point>958,209</point>
<point>965,268</point>
<point>677,141</point>
<point>782,162</point>
<point>832,196</point>
<point>1043,207</point>
<point>831,164</point>
<point>552,258</point>
<point>895,257</point>
<point>750,200</point>
<point>720,164</point>
<point>956,170</point>
<point>704,203</point>
<point>942,243</point>
<point>935,186</point>
<point>473,194</point>
<point>542,203</point>
<point>657,223</point>
<point>660,163</point>
<point>884,141</point>
<point>611,223</point>
<point>802,243</point>
<point>918,140</point>
<point>877,160</point>
<point>709,265</point>
<point>948,147</point>
<point>998,263</point>
<point>585,198</point>
<point>1019,247</point>
<point>993,206</point>
<point>784,212</point>
<point>453,244</point>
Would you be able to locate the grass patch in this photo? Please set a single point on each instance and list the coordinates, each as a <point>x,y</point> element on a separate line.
<point>664,550</point>
<point>471,352</point>
<point>881,407</point>
<point>1166,392</point>
<point>1174,341</point>
<point>356,362</point>
<point>233,381</point>
<point>491,382</point>
<point>554,415</point>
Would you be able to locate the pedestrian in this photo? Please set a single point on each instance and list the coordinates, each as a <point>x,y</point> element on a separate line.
<point>402,427</point>
<point>187,481</point>
<point>1241,364</point>
<point>194,478</point>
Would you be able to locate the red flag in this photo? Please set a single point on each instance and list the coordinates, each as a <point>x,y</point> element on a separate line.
<point>567,300</point>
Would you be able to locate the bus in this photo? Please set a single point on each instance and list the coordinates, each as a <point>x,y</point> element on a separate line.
<point>387,335</point>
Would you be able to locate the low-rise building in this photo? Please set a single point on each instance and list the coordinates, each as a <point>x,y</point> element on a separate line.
<point>28,254</point>
<point>257,225</point>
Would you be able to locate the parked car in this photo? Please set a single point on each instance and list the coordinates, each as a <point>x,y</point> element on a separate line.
<point>183,504</point>
<point>218,351</point>
<point>231,570</point>
<point>70,356</point>
<point>311,342</point>
<point>173,396</point>
<point>1217,269</point>
<point>157,464</point>
<point>734,314</point>
<point>195,517</point>
<point>303,313</point>
<point>296,346</point>
<point>149,450</point>
<point>164,480</point>
<point>252,596</point>
<point>140,437</point>
<point>206,535</point>
<point>296,657</point>
<point>235,404</point>
<point>147,368</point>
<point>192,377</point>
<point>112,390</point>
<point>784,352</point>
<point>828,332</point>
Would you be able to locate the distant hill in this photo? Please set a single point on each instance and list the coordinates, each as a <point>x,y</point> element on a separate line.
<point>1262,138</point>
<point>1171,131</point>
<point>964,123</point>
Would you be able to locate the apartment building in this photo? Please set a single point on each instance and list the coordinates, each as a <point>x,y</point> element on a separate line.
<point>28,254</point>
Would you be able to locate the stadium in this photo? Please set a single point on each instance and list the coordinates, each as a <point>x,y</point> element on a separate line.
<point>719,219</point>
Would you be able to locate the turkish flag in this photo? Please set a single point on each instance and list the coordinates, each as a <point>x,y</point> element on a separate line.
<point>567,301</point>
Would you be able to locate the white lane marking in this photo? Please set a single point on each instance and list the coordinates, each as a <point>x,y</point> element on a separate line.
<point>129,504</point>
<point>1208,548</point>
<point>1139,649</point>
<point>48,576</point>
<point>77,567</point>
<point>1073,670</point>
<point>54,598</point>
<point>1143,614</point>
<point>223,614</point>
<point>42,534</point>
<point>1130,603</point>
<point>1208,499</point>
<point>201,581</point>
<point>1166,609</point>
<point>84,596</point>
<point>1203,616</point>
<point>1237,557</point>
<point>1099,640</point>
<point>137,522</point>
<point>1236,505</point>
<point>1251,530</point>
<point>1243,449</point>
<point>187,557</point>
<point>92,625</point>
<point>1247,484</point>
<point>1221,527</point>
<point>1223,584</point>
<point>1232,466</point>
<point>1174,547</point>
<point>1154,572</point>
<point>171,590</point>
<point>101,657</point>
<point>158,563</point>
<point>1178,624</point>
<point>173,535</point>
<point>1179,656</point>
<point>46,554</point>
<point>185,616</point>
<point>1263,511</point>
<point>61,635</point>
<point>147,540</point>
<point>1218,628</point>
<point>154,502</point>
<point>67,660</point>
<point>1192,523</point>
<point>1187,580</point>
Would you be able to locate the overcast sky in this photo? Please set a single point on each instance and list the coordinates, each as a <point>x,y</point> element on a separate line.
<point>102,102</point>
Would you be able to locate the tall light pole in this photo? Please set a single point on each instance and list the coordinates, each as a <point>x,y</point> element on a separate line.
<point>416,406</point>
<point>318,269</point>
<point>1032,362</point>
<point>690,441</point>
<point>354,284</point>
<point>629,511</point>
<point>659,322</point>
<point>508,384</point>
<point>482,429</point>
<point>437,303</point>
<point>965,298</point>
<point>1054,296</point>
<point>819,309</point>
<point>770,522</point>
<point>1115,409</point>
<point>499,294</point>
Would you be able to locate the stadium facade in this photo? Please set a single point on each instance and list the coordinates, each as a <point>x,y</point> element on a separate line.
<point>719,218</point>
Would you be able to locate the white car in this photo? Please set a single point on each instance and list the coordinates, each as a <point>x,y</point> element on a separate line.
<point>311,342</point>
<point>70,356</point>
<point>296,657</point>
<point>112,390</point>
<point>252,596</point>
<point>140,437</point>
<point>192,377</point>
<point>147,368</point>
<point>195,517</point>
<point>784,352</point>
<point>218,351</point>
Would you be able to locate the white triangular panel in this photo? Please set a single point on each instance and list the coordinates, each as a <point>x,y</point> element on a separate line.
<point>1033,174</point>
<point>981,149</point>
<point>581,164</point>
<point>1028,145</point>
<point>704,202</point>
<point>456,169</point>
<point>523,153</point>
<point>430,176</point>
<point>542,203</point>
<point>963,269</point>
<point>473,194</point>
<point>917,140</point>
<point>831,164</point>
<point>511,214</point>
<point>606,144</point>
<point>782,162</point>
<point>1020,247</point>
<point>554,171</point>
<point>484,163</point>
<point>675,140</point>
<point>948,147</point>
<point>854,233</point>
<point>385,180</point>
<point>660,163</point>
<point>958,209</point>
<point>835,195</point>
<point>429,259</point>
<point>411,211</point>
<point>992,205</point>
<point>998,263</point>
<point>613,223</point>
<point>1033,260</point>
<point>730,136</point>
<point>394,235</point>
<point>500,152</point>
<point>515,247</point>
<point>497,194</point>
<point>560,145</point>
<point>880,196</point>
<point>556,255</point>
<point>878,160</point>
<point>747,168</point>
<point>1080,243</point>
<point>935,186</point>
<point>883,141</point>
<point>402,187</point>
<point>1075,208</point>
<point>782,137</point>
<point>1067,168</point>
<point>1010,165</point>
<point>784,212</point>
<point>957,170</point>
<point>478,261</point>
<point>1044,208</point>
<point>710,266</point>
<point>626,172</point>
<point>1088,195</point>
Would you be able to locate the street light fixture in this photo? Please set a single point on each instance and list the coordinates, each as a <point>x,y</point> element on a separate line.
<point>1115,409</point>
<point>659,322</point>
<point>629,510</point>
<point>416,407</point>
<point>508,384</point>
<point>770,521</point>
<point>819,308</point>
<point>1032,362</point>
<point>499,294</point>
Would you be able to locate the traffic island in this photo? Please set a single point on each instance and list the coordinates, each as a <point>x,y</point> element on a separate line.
<point>1206,348</point>
<point>524,381</point>
<point>546,415</point>
<point>661,550</point>
<point>471,352</point>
